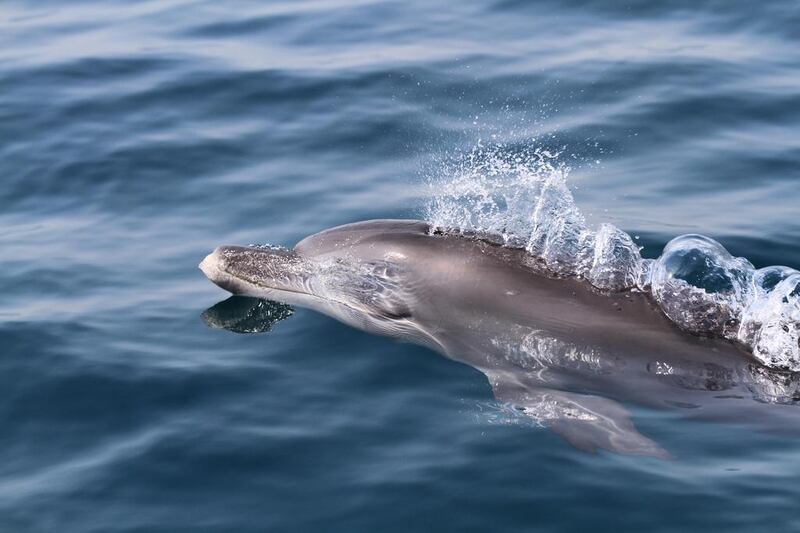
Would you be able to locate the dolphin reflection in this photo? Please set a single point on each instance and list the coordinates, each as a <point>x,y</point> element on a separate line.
<point>242,314</point>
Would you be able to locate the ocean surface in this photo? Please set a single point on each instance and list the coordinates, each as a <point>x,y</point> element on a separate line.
<point>137,136</point>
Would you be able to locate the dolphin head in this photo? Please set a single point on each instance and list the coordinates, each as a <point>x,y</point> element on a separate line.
<point>356,269</point>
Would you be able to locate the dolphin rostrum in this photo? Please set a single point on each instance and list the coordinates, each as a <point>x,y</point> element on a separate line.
<point>557,349</point>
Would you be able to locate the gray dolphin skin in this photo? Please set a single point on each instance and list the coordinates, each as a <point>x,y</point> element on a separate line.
<point>557,350</point>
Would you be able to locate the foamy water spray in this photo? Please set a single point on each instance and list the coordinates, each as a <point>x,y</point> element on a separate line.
<point>521,199</point>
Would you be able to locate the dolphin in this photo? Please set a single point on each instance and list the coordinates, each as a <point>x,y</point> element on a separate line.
<point>557,349</point>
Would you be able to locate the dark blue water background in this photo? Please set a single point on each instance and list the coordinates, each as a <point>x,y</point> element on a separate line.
<point>136,136</point>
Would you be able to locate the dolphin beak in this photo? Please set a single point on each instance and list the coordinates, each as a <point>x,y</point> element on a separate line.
<point>210,265</point>
<point>256,271</point>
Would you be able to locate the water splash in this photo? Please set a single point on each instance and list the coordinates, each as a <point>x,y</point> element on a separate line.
<point>521,198</point>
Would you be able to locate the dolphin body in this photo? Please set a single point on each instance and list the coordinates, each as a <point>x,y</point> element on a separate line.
<point>558,350</point>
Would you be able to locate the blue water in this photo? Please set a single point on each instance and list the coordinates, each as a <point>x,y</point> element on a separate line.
<point>137,136</point>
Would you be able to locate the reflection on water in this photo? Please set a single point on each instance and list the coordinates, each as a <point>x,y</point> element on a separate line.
<point>242,314</point>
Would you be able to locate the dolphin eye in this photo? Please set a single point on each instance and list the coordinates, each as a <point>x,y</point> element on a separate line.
<point>396,312</point>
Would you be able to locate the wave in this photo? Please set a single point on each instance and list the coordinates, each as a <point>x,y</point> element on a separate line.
<point>520,197</point>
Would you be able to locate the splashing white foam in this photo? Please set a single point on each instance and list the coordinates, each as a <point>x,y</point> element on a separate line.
<point>521,198</point>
